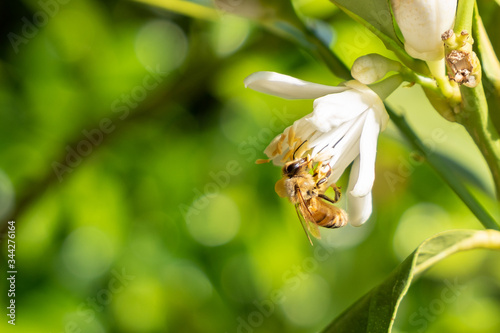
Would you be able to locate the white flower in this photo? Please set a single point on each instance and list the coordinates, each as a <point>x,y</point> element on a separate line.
<point>422,22</point>
<point>342,129</point>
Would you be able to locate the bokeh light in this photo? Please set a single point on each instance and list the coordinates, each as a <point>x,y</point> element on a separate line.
<point>306,299</point>
<point>161,45</point>
<point>216,222</point>
<point>92,262</point>
<point>418,223</point>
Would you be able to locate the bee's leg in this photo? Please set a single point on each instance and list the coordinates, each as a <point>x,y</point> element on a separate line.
<point>335,188</point>
<point>338,194</point>
<point>321,176</point>
<point>329,172</point>
<point>327,198</point>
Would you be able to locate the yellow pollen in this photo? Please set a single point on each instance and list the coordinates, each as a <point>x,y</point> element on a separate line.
<point>287,157</point>
<point>291,136</point>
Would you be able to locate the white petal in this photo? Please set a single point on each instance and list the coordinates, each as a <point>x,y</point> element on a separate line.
<point>285,86</point>
<point>327,140</point>
<point>348,144</point>
<point>302,132</point>
<point>347,158</point>
<point>272,146</point>
<point>334,109</point>
<point>359,209</point>
<point>374,100</point>
<point>422,22</point>
<point>367,155</point>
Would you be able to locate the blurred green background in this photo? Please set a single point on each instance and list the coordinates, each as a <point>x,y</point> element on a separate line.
<point>127,149</point>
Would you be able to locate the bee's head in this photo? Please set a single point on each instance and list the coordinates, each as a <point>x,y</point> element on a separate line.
<point>294,167</point>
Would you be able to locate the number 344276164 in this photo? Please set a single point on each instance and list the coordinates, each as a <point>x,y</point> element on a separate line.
<point>11,248</point>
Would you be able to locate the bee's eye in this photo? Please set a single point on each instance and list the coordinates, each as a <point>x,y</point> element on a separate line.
<point>291,168</point>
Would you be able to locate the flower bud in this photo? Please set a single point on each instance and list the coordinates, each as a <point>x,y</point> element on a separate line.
<point>422,22</point>
<point>372,67</point>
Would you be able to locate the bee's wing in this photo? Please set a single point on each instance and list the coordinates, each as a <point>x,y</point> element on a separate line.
<point>303,211</point>
<point>299,214</point>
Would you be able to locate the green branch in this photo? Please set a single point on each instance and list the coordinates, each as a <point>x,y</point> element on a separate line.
<point>474,117</point>
<point>444,172</point>
<point>463,20</point>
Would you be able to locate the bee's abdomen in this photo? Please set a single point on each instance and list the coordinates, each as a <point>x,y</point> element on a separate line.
<point>332,218</point>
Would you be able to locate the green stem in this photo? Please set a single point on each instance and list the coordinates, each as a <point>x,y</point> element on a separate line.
<point>463,19</point>
<point>489,60</point>
<point>442,170</point>
<point>450,91</point>
<point>474,117</point>
<point>490,66</point>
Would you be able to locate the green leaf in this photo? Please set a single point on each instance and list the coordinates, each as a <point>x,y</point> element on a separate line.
<point>377,17</point>
<point>375,312</point>
<point>464,174</point>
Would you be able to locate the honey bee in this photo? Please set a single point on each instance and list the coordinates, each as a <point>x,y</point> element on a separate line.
<point>306,191</point>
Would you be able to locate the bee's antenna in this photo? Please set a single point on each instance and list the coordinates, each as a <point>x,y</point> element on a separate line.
<point>293,156</point>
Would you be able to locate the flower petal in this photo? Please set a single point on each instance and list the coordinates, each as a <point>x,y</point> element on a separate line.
<point>335,109</point>
<point>373,100</point>
<point>339,167</point>
<point>422,22</point>
<point>288,87</point>
<point>359,209</point>
<point>323,141</point>
<point>367,156</point>
<point>347,148</point>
